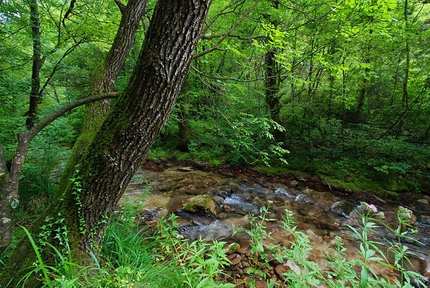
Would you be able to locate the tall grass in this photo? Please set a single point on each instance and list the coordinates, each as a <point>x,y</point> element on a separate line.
<point>135,255</point>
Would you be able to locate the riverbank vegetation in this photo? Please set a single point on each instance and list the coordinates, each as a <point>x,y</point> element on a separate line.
<point>135,254</point>
<point>337,90</point>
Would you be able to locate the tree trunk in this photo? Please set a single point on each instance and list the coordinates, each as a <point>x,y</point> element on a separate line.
<point>183,122</point>
<point>405,89</point>
<point>96,111</point>
<point>5,207</point>
<point>104,81</point>
<point>36,66</point>
<point>126,135</point>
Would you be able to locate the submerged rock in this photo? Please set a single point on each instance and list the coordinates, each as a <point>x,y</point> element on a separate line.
<point>304,199</point>
<point>284,193</point>
<point>202,204</point>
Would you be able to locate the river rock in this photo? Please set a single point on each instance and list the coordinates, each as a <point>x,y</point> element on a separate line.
<point>232,248</point>
<point>185,169</point>
<point>425,219</point>
<point>260,284</point>
<point>294,183</point>
<point>423,201</point>
<point>202,204</point>
<point>304,199</point>
<point>284,193</point>
<point>280,271</point>
<point>342,208</point>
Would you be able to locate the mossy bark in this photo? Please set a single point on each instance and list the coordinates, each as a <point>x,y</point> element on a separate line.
<point>106,74</point>
<point>126,135</point>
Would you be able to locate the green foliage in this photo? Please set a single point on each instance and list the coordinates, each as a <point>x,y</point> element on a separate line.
<point>130,260</point>
<point>352,93</point>
<point>260,249</point>
<point>65,273</point>
<point>142,257</point>
<point>54,230</point>
<point>76,183</point>
<point>342,271</point>
<point>41,169</point>
<point>200,262</point>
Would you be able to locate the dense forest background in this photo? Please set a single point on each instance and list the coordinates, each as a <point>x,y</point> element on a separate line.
<point>335,89</point>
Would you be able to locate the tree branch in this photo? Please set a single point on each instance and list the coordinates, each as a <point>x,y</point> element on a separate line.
<point>61,111</point>
<point>57,66</point>
<point>216,46</point>
<point>120,6</point>
<point>233,36</point>
<point>69,11</point>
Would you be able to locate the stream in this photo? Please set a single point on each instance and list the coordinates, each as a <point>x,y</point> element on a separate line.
<point>321,212</point>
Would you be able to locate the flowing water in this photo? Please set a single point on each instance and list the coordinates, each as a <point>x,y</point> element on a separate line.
<point>320,212</point>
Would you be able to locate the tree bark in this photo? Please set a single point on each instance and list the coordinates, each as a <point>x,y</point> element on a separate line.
<point>37,64</point>
<point>109,70</point>
<point>273,81</point>
<point>104,81</point>
<point>405,89</point>
<point>5,208</point>
<point>126,135</point>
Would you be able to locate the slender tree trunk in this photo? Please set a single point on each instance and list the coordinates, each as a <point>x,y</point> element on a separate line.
<point>361,99</point>
<point>183,122</point>
<point>364,87</point>
<point>273,81</point>
<point>126,135</point>
<point>405,94</point>
<point>272,85</point>
<point>36,66</point>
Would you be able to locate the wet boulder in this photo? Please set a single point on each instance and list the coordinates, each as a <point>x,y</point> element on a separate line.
<point>202,204</point>
<point>342,208</point>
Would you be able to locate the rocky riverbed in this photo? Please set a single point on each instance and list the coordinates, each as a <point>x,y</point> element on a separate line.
<point>321,212</point>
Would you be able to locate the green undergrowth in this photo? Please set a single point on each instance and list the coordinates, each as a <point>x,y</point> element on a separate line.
<point>136,255</point>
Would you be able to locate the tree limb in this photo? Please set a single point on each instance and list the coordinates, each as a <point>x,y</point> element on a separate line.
<point>69,11</point>
<point>120,6</point>
<point>57,66</point>
<point>216,46</point>
<point>61,111</point>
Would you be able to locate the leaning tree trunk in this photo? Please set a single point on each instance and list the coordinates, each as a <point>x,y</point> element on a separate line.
<point>126,135</point>
<point>104,81</point>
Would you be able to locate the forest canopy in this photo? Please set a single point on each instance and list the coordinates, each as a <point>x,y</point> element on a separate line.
<point>342,86</point>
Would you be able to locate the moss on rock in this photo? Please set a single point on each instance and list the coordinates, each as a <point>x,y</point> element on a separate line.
<point>202,204</point>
